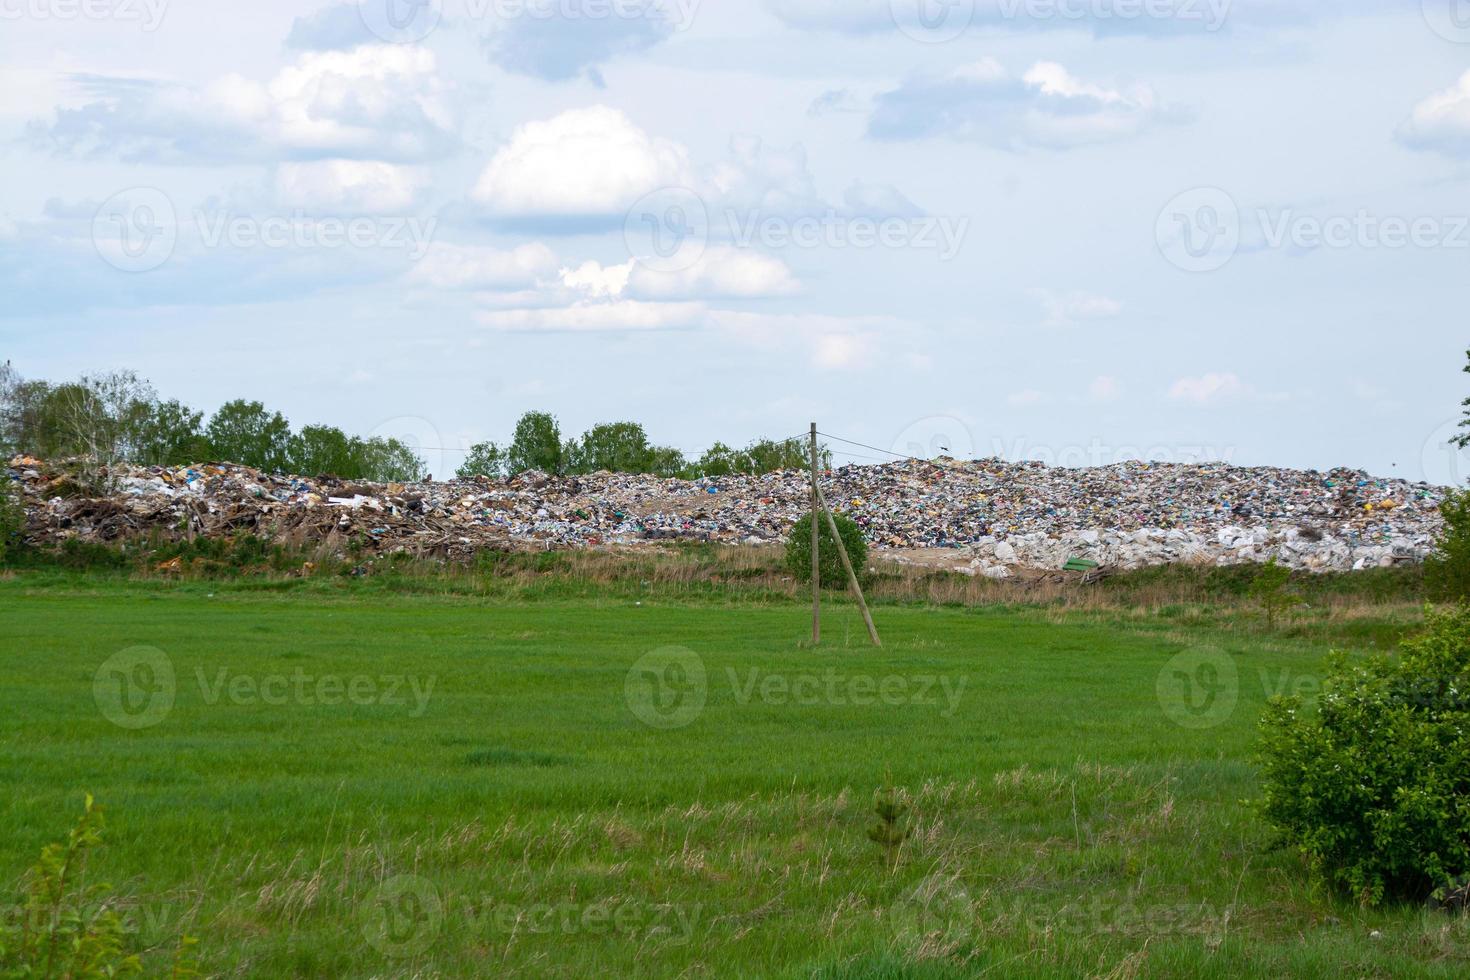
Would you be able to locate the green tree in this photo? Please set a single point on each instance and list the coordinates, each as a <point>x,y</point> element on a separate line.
<point>619,447</point>
<point>761,456</point>
<point>101,419</point>
<point>1269,589</point>
<point>96,417</point>
<point>244,432</point>
<point>28,419</point>
<point>12,518</point>
<point>770,455</point>
<point>386,461</point>
<point>1463,439</point>
<point>666,461</point>
<point>1372,786</point>
<point>718,460</point>
<point>1447,570</point>
<point>168,434</point>
<point>536,445</point>
<point>324,450</point>
<point>10,384</point>
<point>35,419</point>
<point>484,459</point>
<point>799,550</point>
<point>93,421</point>
<point>64,413</point>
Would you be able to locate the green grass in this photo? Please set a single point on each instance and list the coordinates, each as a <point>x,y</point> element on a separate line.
<point>493,791</point>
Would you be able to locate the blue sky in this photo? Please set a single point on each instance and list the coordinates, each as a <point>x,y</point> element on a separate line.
<point>1069,230</point>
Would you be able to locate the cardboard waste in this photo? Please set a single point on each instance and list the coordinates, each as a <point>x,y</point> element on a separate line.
<point>987,516</point>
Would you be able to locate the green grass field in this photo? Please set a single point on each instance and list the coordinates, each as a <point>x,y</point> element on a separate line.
<point>369,784</point>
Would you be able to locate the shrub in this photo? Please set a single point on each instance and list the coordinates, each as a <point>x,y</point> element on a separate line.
<point>1447,571</point>
<point>799,550</point>
<point>89,556</point>
<point>1374,788</point>
<point>67,929</point>
<point>1269,589</point>
<point>12,519</point>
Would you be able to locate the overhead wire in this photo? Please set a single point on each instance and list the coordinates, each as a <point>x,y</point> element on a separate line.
<point>916,459</point>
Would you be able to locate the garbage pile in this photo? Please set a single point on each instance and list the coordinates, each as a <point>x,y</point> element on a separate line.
<point>987,515</point>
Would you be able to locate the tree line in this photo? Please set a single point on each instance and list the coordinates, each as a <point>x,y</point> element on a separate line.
<point>624,447</point>
<point>119,417</point>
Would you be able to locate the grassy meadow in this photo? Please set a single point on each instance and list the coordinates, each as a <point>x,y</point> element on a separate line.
<point>353,780</point>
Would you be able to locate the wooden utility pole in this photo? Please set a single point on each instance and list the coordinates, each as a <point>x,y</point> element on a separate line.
<point>819,505</point>
<point>852,580</point>
<point>816,560</point>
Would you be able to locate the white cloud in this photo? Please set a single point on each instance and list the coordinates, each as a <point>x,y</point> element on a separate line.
<point>1207,388</point>
<point>585,168</point>
<point>528,290</point>
<point>361,99</point>
<point>596,280</point>
<point>591,162</point>
<point>448,266</point>
<point>1065,309</point>
<point>721,271</point>
<point>1068,111</point>
<point>594,296</point>
<point>1442,121</point>
<point>374,102</point>
<point>1047,106</point>
<point>349,185</point>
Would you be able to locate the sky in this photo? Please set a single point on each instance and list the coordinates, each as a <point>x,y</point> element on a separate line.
<point>1075,231</point>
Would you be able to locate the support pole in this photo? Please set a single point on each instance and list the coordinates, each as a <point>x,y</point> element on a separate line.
<point>816,559</point>
<point>857,590</point>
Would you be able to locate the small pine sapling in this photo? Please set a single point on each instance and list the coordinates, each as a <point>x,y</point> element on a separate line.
<point>891,830</point>
<point>1269,589</point>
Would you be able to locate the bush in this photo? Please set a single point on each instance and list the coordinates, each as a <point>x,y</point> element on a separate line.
<point>1375,787</point>
<point>83,556</point>
<point>1447,571</point>
<point>1269,589</point>
<point>65,927</point>
<point>12,519</point>
<point>799,551</point>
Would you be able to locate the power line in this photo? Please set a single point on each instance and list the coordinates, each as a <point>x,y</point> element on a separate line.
<point>916,459</point>
<point>851,455</point>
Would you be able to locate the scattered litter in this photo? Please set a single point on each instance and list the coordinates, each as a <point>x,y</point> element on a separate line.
<point>990,515</point>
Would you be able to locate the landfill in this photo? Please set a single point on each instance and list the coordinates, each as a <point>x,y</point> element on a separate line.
<point>981,517</point>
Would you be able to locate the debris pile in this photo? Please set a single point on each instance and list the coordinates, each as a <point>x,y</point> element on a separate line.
<point>986,515</point>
